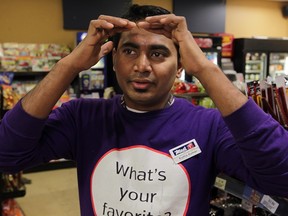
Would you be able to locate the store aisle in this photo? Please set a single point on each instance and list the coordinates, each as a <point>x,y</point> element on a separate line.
<point>51,193</point>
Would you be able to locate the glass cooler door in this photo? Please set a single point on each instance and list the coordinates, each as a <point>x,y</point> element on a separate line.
<point>255,66</point>
<point>278,64</point>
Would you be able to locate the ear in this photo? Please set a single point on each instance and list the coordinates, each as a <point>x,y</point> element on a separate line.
<point>179,70</point>
<point>113,57</point>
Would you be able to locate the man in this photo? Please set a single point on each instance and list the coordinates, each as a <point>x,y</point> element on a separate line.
<point>145,152</point>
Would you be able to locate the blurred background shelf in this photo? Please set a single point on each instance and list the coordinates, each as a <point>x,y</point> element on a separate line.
<point>276,205</point>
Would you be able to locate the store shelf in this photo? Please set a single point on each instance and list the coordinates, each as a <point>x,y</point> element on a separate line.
<point>27,73</point>
<point>11,186</point>
<point>192,95</point>
<point>253,61</point>
<point>279,61</point>
<point>21,192</point>
<point>30,73</point>
<point>276,205</point>
<point>253,71</point>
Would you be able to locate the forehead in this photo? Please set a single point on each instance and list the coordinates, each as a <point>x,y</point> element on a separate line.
<point>144,38</point>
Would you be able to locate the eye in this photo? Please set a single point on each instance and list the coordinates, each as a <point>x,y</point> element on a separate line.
<point>129,51</point>
<point>158,54</point>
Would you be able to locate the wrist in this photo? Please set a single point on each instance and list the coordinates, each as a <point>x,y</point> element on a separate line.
<point>203,69</point>
<point>68,64</point>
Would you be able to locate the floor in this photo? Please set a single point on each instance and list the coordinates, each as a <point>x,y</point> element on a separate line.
<point>51,193</point>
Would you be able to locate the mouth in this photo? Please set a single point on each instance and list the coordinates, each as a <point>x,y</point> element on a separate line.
<point>141,84</point>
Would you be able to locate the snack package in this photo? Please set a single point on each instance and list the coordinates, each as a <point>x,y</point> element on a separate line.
<point>44,63</point>
<point>282,83</point>
<point>10,49</point>
<point>10,98</point>
<point>227,44</point>
<point>23,63</point>
<point>6,78</point>
<point>8,63</point>
<point>92,80</point>
<point>96,80</point>
<point>1,51</point>
<point>204,42</point>
<point>181,87</point>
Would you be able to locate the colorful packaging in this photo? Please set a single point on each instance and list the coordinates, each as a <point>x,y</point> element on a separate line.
<point>6,78</point>
<point>31,57</point>
<point>227,44</point>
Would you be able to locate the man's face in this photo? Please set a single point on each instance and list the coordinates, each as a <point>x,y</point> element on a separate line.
<point>146,65</point>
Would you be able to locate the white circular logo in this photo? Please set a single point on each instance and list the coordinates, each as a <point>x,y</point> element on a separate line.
<point>139,181</point>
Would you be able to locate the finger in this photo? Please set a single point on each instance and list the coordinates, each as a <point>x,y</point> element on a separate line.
<point>118,22</point>
<point>160,31</point>
<point>107,26</point>
<point>116,30</point>
<point>104,33</point>
<point>157,17</point>
<point>143,24</point>
<point>98,26</point>
<point>106,48</point>
<point>171,19</point>
<point>147,25</point>
<point>157,25</point>
<point>156,28</point>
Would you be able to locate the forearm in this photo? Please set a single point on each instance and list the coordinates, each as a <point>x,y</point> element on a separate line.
<point>40,100</point>
<point>224,94</point>
<point>262,144</point>
<point>221,90</point>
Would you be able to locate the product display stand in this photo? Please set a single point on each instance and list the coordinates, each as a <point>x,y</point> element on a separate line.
<point>250,197</point>
<point>11,187</point>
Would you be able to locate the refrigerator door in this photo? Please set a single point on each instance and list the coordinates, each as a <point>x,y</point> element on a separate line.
<point>255,66</point>
<point>213,56</point>
<point>278,64</point>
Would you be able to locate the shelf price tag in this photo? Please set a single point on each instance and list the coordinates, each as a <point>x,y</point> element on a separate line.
<point>246,205</point>
<point>269,203</point>
<point>220,183</point>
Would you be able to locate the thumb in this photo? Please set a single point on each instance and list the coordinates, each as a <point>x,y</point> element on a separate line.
<point>106,48</point>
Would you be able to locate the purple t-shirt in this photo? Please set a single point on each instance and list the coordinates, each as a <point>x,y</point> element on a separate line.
<point>159,163</point>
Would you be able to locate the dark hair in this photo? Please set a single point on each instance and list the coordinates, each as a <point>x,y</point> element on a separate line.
<point>140,12</point>
<point>137,13</point>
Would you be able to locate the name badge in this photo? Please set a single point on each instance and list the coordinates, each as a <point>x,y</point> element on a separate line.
<point>185,151</point>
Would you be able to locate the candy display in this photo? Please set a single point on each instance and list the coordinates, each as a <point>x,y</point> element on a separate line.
<point>194,92</point>
<point>15,60</point>
<point>31,57</point>
<point>91,82</point>
<point>26,57</point>
<point>181,87</point>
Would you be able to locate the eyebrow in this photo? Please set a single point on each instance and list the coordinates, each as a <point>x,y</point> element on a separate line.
<point>151,47</point>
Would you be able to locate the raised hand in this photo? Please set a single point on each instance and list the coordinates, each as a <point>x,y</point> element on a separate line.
<point>95,44</point>
<point>175,27</point>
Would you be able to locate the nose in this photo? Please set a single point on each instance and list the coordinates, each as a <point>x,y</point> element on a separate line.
<point>142,64</point>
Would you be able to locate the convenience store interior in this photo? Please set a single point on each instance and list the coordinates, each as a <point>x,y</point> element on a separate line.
<point>54,192</point>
